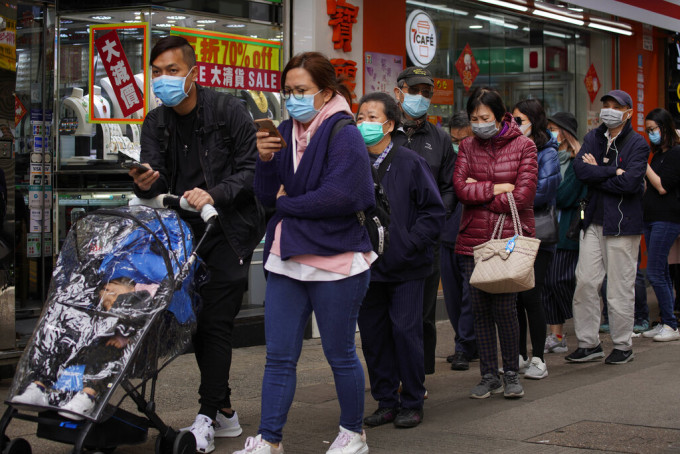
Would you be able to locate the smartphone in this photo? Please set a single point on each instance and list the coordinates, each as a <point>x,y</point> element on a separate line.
<point>134,165</point>
<point>265,124</point>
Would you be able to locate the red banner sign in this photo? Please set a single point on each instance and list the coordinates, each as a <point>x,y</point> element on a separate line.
<point>592,82</point>
<point>120,73</point>
<point>225,76</point>
<point>467,67</point>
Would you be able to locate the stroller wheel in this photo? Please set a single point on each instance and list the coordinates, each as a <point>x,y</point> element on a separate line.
<point>185,443</point>
<point>18,446</point>
<point>163,446</point>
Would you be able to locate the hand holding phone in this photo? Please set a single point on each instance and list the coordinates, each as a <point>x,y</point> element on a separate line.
<point>135,165</point>
<point>266,125</point>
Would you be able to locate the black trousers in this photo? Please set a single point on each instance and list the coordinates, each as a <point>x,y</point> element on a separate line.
<point>221,298</point>
<point>530,306</point>
<point>429,312</point>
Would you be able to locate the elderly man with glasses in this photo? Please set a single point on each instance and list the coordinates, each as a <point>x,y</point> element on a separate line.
<point>414,91</point>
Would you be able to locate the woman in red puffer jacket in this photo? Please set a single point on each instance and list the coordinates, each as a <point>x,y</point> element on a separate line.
<point>496,160</point>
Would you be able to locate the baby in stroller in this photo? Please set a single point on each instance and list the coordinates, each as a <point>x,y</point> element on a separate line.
<point>90,369</point>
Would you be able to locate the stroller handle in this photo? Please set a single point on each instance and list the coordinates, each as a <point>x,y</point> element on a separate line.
<point>208,212</point>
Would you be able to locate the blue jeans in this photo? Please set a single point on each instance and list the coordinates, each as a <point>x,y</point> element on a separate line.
<point>288,305</point>
<point>659,237</point>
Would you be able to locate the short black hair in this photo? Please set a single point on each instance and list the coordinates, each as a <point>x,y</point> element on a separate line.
<point>174,42</point>
<point>389,105</point>
<point>664,120</point>
<point>459,120</point>
<point>534,111</point>
<point>489,97</point>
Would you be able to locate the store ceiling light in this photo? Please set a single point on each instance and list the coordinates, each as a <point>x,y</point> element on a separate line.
<point>206,21</point>
<point>200,25</point>
<point>176,17</point>
<point>495,21</point>
<point>164,25</point>
<point>100,17</point>
<point>476,27</point>
<point>235,25</point>
<point>437,7</point>
<point>559,17</point>
<point>508,5</point>
<point>132,21</point>
<point>610,29</point>
<point>558,14</point>
<point>171,21</point>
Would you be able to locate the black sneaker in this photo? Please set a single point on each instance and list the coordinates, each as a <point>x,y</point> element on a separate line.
<point>460,362</point>
<point>449,359</point>
<point>619,357</point>
<point>408,417</point>
<point>582,355</point>
<point>382,415</point>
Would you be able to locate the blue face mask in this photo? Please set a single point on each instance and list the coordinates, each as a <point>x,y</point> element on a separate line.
<point>415,105</point>
<point>371,131</point>
<point>654,137</point>
<point>455,147</point>
<point>302,109</point>
<point>170,89</point>
<point>554,134</point>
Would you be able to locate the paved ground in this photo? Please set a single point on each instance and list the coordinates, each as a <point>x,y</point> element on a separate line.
<point>589,407</point>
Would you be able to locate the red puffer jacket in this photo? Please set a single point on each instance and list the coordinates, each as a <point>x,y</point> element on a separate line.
<point>508,158</point>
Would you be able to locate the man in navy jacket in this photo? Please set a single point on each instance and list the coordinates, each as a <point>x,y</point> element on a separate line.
<point>612,163</point>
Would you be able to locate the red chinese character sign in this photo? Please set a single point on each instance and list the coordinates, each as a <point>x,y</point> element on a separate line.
<point>19,111</point>
<point>467,67</point>
<point>592,83</point>
<point>124,88</point>
<point>343,16</point>
<point>346,73</point>
<point>234,61</point>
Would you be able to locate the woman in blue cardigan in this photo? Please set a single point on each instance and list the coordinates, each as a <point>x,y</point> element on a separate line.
<point>532,121</point>
<point>391,317</point>
<point>317,255</point>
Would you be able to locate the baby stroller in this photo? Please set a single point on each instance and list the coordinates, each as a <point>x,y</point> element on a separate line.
<point>120,307</point>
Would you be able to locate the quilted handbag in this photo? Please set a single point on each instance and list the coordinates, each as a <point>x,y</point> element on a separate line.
<point>505,265</point>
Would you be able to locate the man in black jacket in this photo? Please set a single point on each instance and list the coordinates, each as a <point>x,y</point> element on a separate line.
<point>201,145</point>
<point>414,90</point>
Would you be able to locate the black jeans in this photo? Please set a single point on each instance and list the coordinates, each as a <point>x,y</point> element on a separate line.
<point>530,306</point>
<point>221,298</point>
<point>429,312</point>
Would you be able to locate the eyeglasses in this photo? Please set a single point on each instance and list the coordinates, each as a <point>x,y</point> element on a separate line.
<point>297,94</point>
<point>426,92</point>
<point>650,130</point>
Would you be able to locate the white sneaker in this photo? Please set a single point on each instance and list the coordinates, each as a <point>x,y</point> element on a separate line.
<point>667,334</point>
<point>523,365</point>
<point>552,345</point>
<point>537,369</point>
<point>256,445</point>
<point>227,427</point>
<point>82,403</point>
<point>348,442</point>
<point>204,433</point>
<point>32,395</point>
<point>654,331</point>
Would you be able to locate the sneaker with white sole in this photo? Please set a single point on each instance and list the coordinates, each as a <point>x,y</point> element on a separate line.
<point>667,334</point>
<point>348,442</point>
<point>82,403</point>
<point>34,394</point>
<point>204,433</point>
<point>256,445</point>
<point>537,369</point>
<point>227,427</point>
<point>553,345</point>
<point>654,331</point>
<point>523,364</point>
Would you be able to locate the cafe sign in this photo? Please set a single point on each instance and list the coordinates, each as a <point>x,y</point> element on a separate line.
<point>421,38</point>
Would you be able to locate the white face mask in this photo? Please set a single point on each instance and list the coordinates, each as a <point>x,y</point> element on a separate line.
<point>612,118</point>
<point>525,128</point>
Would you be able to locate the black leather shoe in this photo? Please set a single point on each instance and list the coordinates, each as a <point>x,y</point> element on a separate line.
<point>408,417</point>
<point>460,362</point>
<point>382,415</point>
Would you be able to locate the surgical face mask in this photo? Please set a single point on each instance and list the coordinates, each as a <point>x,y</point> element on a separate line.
<point>525,128</point>
<point>484,130</point>
<point>170,89</point>
<point>302,109</point>
<point>455,147</point>
<point>555,134</point>
<point>415,105</point>
<point>612,118</point>
<point>654,137</point>
<point>371,131</point>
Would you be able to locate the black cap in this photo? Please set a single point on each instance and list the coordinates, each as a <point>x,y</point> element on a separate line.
<point>414,75</point>
<point>566,121</point>
<point>619,96</point>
